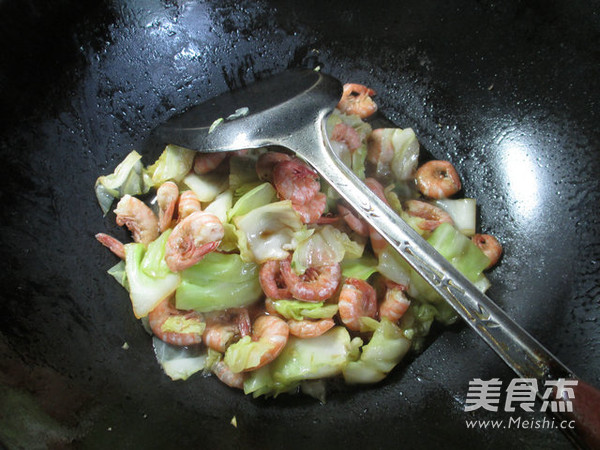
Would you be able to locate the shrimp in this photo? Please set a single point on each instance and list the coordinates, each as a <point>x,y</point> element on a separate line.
<point>356,99</point>
<point>315,285</point>
<point>274,332</point>
<point>357,225</point>
<point>490,247</point>
<point>227,376</point>
<point>138,217</point>
<point>432,215</point>
<point>207,162</point>
<point>113,244</point>
<point>295,181</point>
<point>395,303</point>
<point>347,135</point>
<point>222,328</point>
<point>380,151</point>
<point>357,299</point>
<point>165,317</point>
<point>191,239</point>
<point>378,243</point>
<point>305,329</point>
<point>166,197</point>
<point>438,179</point>
<point>188,204</point>
<point>313,209</point>
<point>272,282</point>
<point>266,164</point>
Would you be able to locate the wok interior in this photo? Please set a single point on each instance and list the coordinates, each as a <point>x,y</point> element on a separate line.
<point>506,92</point>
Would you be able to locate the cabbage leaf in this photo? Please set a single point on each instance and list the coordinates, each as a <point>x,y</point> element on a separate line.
<point>173,164</point>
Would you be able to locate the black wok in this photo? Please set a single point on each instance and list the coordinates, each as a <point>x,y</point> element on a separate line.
<point>508,91</point>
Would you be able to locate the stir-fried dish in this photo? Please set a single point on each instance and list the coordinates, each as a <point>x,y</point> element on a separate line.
<point>247,266</point>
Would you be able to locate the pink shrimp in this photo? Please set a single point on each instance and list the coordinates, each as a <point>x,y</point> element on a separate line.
<point>395,302</point>
<point>490,247</point>
<point>207,162</point>
<point>356,224</point>
<point>438,179</point>
<point>223,327</point>
<point>188,204</point>
<point>166,197</point>
<point>272,281</point>
<point>266,164</point>
<point>295,181</point>
<point>356,99</point>
<point>113,244</point>
<point>312,210</point>
<point>191,239</point>
<point>272,331</point>
<point>165,315</point>
<point>357,299</point>
<point>347,135</point>
<point>432,216</point>
<point>378,243</point>
<point>227,376</point>
<point>315,285</point>
<point>270,307</point>
<point>138,217</point>
<point>306,328</point>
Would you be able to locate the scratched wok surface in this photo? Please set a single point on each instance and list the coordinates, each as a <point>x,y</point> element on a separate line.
<point>508,91</point>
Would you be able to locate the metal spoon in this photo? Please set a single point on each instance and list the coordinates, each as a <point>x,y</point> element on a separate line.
<point>289,110</point>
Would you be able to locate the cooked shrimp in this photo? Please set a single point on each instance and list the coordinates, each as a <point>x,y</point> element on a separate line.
<point>266,164</point>
<point>312,210</point>
<point>138,217</point>
<point>295,181</point>
<point>380,151</point>
<point>166,197</point>
<point>165,316</point>
<point>356,224</point>
<point>207,162</point>
<point>315,285</point>
<point>272,282</point>
<point>357,299</point>
<point>438,179</point>
<point>356,99</point>
<point>223,327</point>
<point>490,246</point>
<point>270,307</point>
<point>344,133</point>
<point>113,244</point>
<point>378,243</point>
<point>395,303</point>
<point>192,238</point>
<point>432,216</point>
<point>227,376</point>
<point>188,204</point>
<point>307,328</point>
<point>274,332</point>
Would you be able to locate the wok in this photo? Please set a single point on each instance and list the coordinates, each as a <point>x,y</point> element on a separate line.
<point>508,92</point>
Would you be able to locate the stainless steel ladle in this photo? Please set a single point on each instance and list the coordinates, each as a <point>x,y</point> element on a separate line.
<point>289,110</point>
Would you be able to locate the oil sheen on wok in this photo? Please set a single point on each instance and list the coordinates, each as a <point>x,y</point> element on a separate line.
<point>246,266</point>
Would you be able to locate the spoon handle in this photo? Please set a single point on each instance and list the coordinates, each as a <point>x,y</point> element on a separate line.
<point>525,355</point>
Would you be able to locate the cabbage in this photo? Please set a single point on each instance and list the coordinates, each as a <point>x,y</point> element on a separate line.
<point>173,164</point>
<point>355,160</point>
<point>326,246</point>
<point>129,177</point>
<point>220,205</point>
<point>146,291</point>
<point>118,273</point>
<point>393,266</point>
<point>384,351</point>
<point>406,153</point>
<point>246,354</point>
<point>179,363</point>
<point>261,195</point>
<point>154,263</point>
<point>206,187</point>
<point>218,281</point>
<point>298,310</point>
<point>267,232</point>
<point>302,359</point>
<point>361,268</point>
<point>463,212</point>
